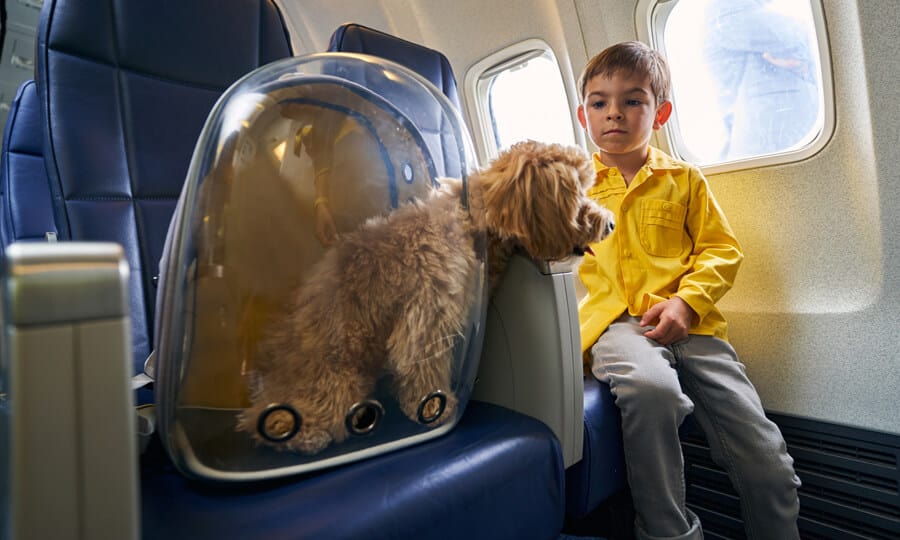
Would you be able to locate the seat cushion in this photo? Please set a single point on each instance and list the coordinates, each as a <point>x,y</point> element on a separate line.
<point>26,212</point>
<point>601,471</point>
<point>498,474</point>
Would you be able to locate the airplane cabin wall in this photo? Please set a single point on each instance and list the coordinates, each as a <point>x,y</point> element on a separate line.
<point>466,31</point>
<point>815,312</point>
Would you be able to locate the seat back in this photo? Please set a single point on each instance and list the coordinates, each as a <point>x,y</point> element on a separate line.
<point>124,88</point>
<point>430,64</point>
<point>26,212</point>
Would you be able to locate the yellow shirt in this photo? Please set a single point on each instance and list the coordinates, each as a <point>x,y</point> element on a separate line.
<point>671,239</point>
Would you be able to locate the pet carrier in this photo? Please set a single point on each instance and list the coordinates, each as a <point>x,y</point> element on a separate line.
<point>294,157</point>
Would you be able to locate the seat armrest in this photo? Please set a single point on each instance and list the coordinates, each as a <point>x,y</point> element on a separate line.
<point>531,358</point>
<point>69,421</point>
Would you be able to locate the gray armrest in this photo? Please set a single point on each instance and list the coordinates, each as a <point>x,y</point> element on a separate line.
<point>531,357</point>
<point>70,456</point>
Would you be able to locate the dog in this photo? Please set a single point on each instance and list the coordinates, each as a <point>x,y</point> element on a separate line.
<point>392,296</point>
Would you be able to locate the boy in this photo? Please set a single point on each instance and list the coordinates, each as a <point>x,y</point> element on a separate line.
<point>649,317</point>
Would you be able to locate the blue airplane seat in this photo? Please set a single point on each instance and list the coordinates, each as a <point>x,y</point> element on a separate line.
<point>126,88</point>
<point>26,211</point>
<point>601,471</point>
<point>430,64</point>
<point>123,90</point>
<point>496,475</point>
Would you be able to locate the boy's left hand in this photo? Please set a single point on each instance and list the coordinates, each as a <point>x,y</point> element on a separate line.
<point>672,318</point>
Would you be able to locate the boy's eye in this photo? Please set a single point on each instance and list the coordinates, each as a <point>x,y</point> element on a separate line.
<point>634,102</point>
<point>598,104</point>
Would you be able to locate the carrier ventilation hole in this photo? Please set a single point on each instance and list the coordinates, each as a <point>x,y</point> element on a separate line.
<point>432,407</point>
<point>364,417</point>
<point>278,423</point>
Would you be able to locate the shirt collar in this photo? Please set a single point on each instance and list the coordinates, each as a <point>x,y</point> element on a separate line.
<point>657,160</point>
<point>661,161</point>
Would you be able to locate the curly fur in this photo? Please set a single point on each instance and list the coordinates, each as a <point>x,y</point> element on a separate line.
<point>360,313</point>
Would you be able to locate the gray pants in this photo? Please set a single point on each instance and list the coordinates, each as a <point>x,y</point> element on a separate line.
<point>655,387</point>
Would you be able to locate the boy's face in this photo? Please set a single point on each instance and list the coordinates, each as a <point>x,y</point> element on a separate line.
<point>620,114</point>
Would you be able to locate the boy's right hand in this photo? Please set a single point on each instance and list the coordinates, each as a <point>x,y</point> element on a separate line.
<point>672,318</point>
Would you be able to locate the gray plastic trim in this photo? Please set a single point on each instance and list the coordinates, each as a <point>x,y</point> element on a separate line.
<point>63,281</point>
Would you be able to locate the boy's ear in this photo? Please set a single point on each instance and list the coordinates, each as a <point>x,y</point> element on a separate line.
<point>662,114</point>
<point>581,119</point>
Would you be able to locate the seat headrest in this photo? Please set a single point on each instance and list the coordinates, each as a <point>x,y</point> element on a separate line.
<point>431,64</point>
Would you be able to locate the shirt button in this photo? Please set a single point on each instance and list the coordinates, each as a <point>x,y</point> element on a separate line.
<point>631,300</point>
<point>626,253</point>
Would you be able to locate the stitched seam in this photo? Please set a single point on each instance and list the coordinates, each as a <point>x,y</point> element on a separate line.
<point>259,33</point>
<point>5,192</point>
<point>53,179</point>
<point>13,151</point>
<point>136,71</point>
<point>120,198</point>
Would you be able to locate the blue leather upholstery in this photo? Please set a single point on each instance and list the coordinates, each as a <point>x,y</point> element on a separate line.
<point>26,212</point>
<point>431,64</point>
<point>123,89</point>
<point>127,86</point>
<point>601,471</point>
<point>497,475</point>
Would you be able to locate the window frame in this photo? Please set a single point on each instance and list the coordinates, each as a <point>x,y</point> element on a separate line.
<point>650,19</point>
<point>478,82</point>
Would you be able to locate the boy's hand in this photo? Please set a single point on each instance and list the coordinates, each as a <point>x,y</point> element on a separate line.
<point>672,318</point>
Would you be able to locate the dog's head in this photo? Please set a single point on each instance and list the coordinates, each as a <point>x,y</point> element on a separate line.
<point>534,194</point>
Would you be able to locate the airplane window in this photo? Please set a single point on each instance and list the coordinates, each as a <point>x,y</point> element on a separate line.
<point>528,101</point>
<point>749,85</point>
<point>518,94</point>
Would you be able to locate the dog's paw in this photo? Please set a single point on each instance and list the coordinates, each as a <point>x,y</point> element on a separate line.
<point>449,409</point>
<point>435,408</point>
<point>279,424</point>
<point>310,442</point>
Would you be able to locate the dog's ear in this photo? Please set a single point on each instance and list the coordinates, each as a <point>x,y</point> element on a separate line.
<point>531,194</point>
<point>506,190</point>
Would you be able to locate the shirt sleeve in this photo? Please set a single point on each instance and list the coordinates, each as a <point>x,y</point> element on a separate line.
<point>717,253</point>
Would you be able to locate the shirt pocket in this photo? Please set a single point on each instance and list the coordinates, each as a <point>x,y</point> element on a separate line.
<point>662,227</point>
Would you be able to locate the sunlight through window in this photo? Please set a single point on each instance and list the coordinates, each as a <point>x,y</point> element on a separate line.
<point>528,101</point>
<point>749,84</point>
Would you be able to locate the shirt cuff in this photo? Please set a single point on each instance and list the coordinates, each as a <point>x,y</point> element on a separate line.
<point>698,300</point>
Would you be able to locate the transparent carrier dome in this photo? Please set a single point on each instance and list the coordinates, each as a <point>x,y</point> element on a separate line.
<point>305,317</point>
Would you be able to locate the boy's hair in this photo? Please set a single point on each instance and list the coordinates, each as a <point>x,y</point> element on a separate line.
<point>629,57</point>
